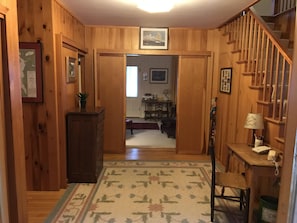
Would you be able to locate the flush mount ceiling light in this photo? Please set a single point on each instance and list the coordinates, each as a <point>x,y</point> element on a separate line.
<point>156,6</point>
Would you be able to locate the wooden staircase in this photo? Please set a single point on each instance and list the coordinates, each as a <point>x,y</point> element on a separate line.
<point>265,53</point>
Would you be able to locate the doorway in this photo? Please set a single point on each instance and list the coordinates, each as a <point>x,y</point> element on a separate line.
<point>162,93</point>
<point>193,97</point>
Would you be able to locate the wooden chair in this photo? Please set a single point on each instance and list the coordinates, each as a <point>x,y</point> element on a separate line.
<point>228,180</point>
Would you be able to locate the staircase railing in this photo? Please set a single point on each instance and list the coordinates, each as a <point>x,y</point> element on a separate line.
<point>265,61</point>
<point>283,6</point>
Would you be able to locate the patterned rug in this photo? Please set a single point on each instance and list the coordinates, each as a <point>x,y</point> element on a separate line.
<point>142,191</point>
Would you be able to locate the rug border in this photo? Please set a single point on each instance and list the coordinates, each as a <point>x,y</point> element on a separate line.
<point>62,202</point>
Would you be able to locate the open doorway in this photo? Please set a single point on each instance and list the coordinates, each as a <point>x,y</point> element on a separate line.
<point>151,107</point>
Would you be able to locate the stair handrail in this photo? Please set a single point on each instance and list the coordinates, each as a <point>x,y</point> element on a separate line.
<point>269,32</point>
<point>265,59</point>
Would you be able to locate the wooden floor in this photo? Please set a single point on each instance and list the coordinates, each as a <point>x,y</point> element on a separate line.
<point>40,203</point>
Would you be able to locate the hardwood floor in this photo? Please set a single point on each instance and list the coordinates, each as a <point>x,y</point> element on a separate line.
<point>153,154</point>
<point>41,203</point>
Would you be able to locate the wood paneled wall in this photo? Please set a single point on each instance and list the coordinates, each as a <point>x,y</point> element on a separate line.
<point>43,135</point>
<point>126,39</point>
<point>41,119</point>
<point>233,108</point>
<point>287,200</point>
<point>40,123</point>
<point>65,23</point>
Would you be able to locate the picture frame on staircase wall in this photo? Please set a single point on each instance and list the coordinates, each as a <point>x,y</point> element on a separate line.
<point>226,80</point>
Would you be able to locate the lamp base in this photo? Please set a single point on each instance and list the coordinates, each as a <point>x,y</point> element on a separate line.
<point>252,142</point>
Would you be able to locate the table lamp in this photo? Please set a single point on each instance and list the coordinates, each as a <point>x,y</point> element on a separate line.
<point>254,121</point>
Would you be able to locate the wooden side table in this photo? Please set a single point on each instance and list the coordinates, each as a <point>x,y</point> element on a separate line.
<point>256,165</point>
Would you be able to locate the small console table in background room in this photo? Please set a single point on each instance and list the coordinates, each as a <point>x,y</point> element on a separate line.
<point>156,109</point>
<point>84,145</point>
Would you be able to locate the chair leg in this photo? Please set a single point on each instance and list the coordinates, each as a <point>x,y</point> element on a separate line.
<point>212,197</point>
<point>222,191</point>
<point>241,199</point>
<point>131,129</point>
<point>247,203</point>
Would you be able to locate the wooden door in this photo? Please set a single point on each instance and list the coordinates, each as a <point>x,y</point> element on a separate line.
<point>3,165</point>
<point>191,102</point>
<point>110,84</point>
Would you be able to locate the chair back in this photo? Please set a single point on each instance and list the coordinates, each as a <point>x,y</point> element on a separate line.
<point>211,150</point>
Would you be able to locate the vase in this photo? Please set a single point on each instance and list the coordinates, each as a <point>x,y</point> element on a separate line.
<point>83,104</point>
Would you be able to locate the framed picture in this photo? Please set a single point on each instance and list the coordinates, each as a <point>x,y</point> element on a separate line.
<point>226,80</point>
<point>158,75</point>
<point>31,71</point>
<point>70,69</point>
<point>154,38</point>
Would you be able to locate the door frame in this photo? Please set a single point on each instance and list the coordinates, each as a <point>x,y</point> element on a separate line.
<point>210,90</point>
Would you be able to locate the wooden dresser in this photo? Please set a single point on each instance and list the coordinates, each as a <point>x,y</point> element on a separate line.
<point>84,145</point>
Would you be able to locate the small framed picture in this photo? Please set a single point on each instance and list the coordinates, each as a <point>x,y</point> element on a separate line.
<point>159,75</point>
<point>226,80</point>
<point>70,69</point>
<point>31,71</point>
<point>154,38</point>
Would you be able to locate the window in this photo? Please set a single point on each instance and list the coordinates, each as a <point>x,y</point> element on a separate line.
<point>132,81</point>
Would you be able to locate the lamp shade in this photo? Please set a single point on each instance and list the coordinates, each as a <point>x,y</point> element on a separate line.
<point>254,121</point>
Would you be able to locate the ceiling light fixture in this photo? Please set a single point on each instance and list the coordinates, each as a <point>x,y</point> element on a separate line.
<point>156,6</point>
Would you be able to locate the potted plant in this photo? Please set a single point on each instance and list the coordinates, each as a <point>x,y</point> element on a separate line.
<point>82,99</point>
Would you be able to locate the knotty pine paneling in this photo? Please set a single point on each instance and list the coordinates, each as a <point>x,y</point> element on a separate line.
<point>117,38</point>
<point>42,154</point>
<point>181,41</point>
<point>127,38</point>
<point>65,23</point>
<point>231,108</point>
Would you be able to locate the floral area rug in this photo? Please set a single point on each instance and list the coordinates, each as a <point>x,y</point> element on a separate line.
<point>142,191</point>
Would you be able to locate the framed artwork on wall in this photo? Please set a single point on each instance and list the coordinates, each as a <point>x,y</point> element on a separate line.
<point>159,75</point>
<point>154,38</point>
<point>31,71</point>
<point>226,80</point>
<point>70,69</point>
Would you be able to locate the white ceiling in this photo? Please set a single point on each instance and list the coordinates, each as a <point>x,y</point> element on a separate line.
<point>203,14</point>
